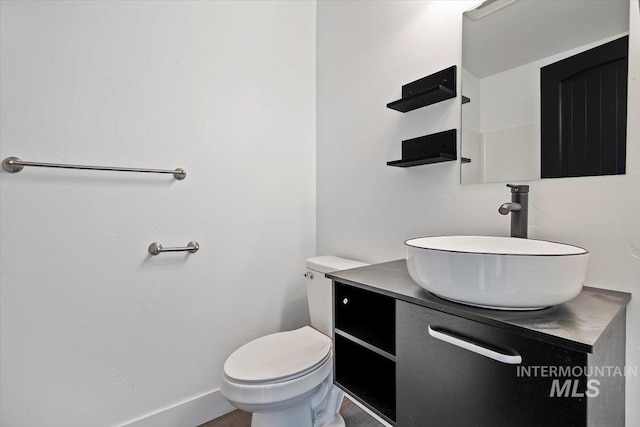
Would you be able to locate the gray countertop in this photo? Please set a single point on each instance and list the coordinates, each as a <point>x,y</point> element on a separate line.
<point>576,325</point>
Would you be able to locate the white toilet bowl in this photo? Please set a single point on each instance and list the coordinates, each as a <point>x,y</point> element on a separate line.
<point>286,380</point>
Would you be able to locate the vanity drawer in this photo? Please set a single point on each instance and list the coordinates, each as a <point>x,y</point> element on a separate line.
<point>457,372</point>
<point>366,315</point>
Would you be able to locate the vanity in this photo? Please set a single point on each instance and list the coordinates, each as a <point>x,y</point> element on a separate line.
<point>416,359</point>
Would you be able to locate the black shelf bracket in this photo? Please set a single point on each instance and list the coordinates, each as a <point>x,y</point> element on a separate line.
<point>434,148</point>
<point>426,91</point>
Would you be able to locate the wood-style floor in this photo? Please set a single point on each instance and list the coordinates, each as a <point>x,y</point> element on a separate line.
<point>352,414</point>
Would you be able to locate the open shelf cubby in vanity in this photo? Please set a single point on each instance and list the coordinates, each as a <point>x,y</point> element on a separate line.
<point>365,347</point>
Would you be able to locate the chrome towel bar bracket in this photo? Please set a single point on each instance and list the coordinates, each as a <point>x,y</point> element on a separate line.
<point>14,164</point>
<point>156,248</point>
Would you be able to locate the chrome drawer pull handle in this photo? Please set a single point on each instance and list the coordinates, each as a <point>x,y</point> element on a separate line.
<point>500,357</point>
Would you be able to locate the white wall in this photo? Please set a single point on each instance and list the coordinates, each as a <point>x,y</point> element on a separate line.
<point>366,52</point>
<point>95,331</point>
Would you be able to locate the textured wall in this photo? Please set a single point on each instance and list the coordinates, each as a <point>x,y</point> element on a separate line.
<point>94,330</point>
<point>366,51</point>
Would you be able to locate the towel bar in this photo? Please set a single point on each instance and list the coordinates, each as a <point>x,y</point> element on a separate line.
<point>156,248</point>
<point>14,164</point>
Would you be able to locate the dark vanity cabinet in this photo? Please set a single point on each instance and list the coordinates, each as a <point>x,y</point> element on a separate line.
<point>451,385</point>
<point>417,360</point>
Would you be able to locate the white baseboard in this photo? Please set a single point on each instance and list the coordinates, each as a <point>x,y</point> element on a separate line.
<point>187,413</point>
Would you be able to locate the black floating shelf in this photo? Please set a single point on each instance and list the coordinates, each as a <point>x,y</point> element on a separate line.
<point>440,157</point>
<point>465,99</point>
<point>434,148</point>
<point>426,91</point>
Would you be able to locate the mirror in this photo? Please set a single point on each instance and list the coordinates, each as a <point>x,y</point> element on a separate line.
<point>544,87</point>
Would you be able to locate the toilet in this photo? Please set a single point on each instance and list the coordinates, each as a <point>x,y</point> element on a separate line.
<point>286,379</point>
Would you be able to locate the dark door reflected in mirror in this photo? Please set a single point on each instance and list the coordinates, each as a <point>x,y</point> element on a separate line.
<point>584,112</point>
<point>547,83</point>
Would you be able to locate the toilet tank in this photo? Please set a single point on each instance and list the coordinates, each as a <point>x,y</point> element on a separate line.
<point>319,288</point>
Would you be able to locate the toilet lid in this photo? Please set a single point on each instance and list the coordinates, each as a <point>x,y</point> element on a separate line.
<point>278,356</point>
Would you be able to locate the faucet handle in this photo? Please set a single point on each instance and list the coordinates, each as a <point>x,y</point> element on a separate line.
<point>518,188</point>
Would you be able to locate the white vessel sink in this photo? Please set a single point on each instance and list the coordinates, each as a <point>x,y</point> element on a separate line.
<point>504,273</point>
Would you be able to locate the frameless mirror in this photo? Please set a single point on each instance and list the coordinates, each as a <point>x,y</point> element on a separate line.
<point>544,87</point>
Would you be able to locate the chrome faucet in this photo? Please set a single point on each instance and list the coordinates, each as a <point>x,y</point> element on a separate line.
<point>519,209</point>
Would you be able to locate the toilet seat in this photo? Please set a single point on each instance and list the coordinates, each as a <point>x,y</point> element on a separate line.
<point>278,357</point>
